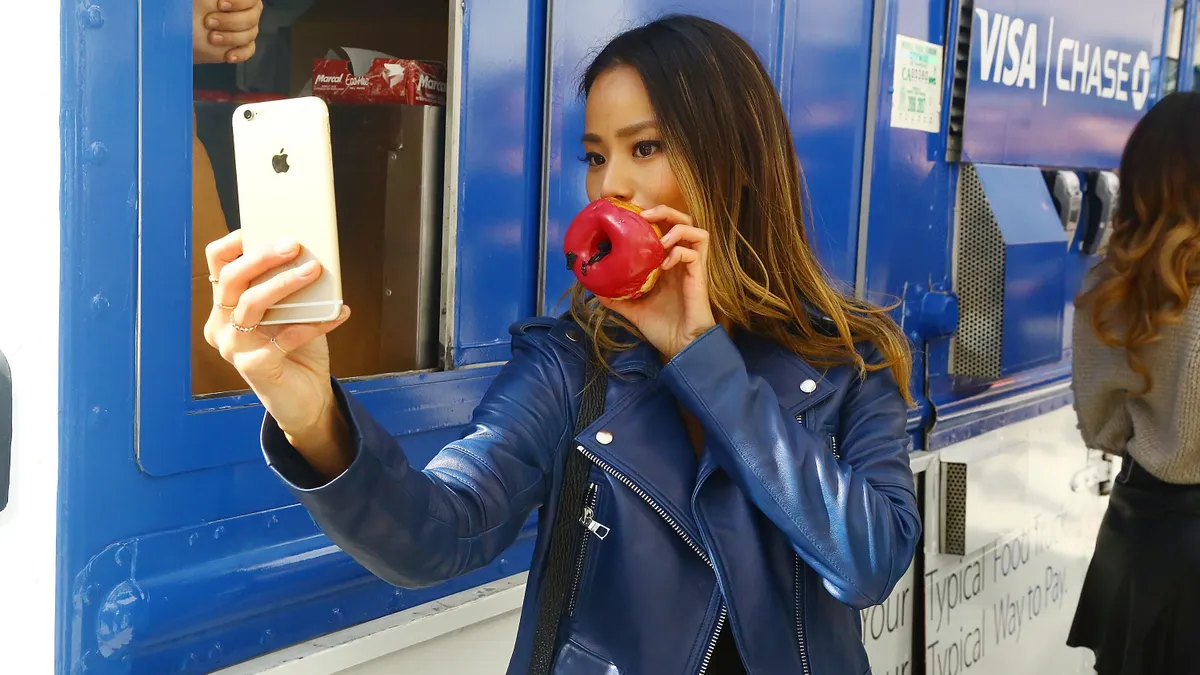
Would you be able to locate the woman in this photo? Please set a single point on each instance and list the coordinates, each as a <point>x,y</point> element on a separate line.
<point>749,485</point>
<point>1137,395</point>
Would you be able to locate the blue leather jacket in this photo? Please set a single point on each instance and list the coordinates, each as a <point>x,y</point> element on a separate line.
<point>801,510</point>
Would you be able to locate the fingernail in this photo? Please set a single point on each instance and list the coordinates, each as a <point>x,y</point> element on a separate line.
<point>285,247</point>
<point>217,38</point>
<point>212,22</point>
<point>308,269</point>
<point>226,6</point>
<point>233,58</point>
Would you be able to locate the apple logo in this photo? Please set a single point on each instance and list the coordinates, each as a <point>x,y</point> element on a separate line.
<point>279,162</point>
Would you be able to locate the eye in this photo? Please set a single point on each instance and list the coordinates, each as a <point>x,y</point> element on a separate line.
<point>592,159</point>
<point>645,149</point>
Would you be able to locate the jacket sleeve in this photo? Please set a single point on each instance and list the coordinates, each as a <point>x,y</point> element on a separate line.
<point>855,520</point>
<point>415,528</point>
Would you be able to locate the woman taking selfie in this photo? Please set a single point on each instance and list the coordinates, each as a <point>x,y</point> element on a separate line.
<point>721,493</point>
<point>1137,395</point>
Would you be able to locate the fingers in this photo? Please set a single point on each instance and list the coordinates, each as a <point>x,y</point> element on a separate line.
<point>258,355</point>
<point>241,15</point>
<point>660,214</point>
<point>296,336</point>
<point>223,251</point>
<point>236,276</point>
<point>682,231</point>
<point>680,254</point>
<point>686,234</point>
<point>254,302</point>
<point>236,28</point>
<point>241,54</point>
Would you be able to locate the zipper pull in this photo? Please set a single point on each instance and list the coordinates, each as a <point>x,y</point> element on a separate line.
<point>601,531</point>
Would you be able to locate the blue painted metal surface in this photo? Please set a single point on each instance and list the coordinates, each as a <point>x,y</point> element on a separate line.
<point>499,187</point>
<point>1060,82</point>
<point>1035,250</point>
<point>911,208</point>
<point>1009,401</point>
<point>815,52</point>
<point>163,615</point>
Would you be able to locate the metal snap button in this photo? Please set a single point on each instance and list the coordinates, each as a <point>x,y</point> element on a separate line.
<point>603,437</point>
<point>808,386</point>
<point>572,336</point>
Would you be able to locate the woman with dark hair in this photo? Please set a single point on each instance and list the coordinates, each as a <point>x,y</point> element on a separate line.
<point>1137,395</point>
<point>746,485</point>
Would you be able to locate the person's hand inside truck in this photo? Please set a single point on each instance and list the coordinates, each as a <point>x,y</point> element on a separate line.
<point>224,31</point>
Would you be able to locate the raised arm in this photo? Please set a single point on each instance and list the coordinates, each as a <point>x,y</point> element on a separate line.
<point>417,528</point>
<point>854,520</point>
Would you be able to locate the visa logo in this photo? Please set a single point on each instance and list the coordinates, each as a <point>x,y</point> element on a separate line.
<point>1009,55</point>
<point>1009,47</point>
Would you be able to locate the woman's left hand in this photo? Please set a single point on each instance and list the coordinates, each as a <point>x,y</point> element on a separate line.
<point>677,310</point>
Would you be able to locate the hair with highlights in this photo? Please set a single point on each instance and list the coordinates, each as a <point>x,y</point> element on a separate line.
<point>726,136</point>
<point>1145,281</point>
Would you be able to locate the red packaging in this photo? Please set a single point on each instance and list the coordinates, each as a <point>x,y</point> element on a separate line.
<point>396,81</point>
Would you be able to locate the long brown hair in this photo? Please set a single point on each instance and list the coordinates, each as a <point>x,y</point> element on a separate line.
<point>727,140</point>
<point>1145,281</point>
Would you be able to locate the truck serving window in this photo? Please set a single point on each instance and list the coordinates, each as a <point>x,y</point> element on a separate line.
<point>434,280</point>
<point>383,78</point>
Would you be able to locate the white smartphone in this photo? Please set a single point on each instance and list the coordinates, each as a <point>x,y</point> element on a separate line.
<point>284,167</point>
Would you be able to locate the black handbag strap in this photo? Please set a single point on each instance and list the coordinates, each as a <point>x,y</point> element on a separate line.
<point>567,532</point>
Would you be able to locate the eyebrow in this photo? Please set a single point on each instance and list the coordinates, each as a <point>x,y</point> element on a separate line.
<point>623,132</point>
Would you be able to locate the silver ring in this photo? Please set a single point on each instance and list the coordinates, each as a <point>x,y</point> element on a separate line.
<point>278,346</point>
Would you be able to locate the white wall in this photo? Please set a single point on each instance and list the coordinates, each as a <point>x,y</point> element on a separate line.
<point>29,265</point>
<point>469,632</point>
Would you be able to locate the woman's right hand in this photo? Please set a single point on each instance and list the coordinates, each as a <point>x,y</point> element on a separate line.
<point>286,366</point>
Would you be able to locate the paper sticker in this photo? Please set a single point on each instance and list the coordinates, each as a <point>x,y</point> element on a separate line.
<point>917,85</point>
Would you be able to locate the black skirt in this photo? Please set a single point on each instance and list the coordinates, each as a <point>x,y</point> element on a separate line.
<point>1139,610</point>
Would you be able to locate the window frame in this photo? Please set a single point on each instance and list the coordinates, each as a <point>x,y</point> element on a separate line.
<point>176,432</point>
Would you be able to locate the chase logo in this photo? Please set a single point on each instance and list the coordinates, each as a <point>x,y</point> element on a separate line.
<point>1009,47</point>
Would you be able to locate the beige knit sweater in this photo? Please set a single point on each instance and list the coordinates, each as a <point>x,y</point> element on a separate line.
<point>1161,430</point>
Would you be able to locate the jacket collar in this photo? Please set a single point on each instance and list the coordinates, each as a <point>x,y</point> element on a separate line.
<point>786,372</point>
<point>641,359</point>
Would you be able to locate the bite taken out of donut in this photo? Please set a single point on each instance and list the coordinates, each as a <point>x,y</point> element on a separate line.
<point>613,251</point>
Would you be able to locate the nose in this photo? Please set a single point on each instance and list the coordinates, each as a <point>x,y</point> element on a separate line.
<point>617,182</point>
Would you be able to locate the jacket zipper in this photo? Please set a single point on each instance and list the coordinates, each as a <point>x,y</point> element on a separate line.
<point>712,642</point>
<point>800,619</point>
<point>649,500</point>
<point>833,442</point>
<point>601,531</point>
<point>604,466</point>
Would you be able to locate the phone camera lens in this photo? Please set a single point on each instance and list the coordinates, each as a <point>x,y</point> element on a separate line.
<point>249,115</point>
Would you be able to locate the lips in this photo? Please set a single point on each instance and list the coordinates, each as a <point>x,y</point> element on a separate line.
<point>613,251</point>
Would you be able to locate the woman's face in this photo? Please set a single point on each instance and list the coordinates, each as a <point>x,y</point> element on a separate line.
<point>622,145</point>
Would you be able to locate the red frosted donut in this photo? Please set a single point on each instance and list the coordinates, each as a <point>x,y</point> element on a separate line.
<point>613,251</point>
